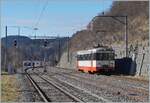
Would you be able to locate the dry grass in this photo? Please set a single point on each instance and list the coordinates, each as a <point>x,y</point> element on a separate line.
<point>9,88</point>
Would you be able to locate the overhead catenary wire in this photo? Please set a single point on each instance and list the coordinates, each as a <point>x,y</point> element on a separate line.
<point>39,18</point>
<point>41,14</point>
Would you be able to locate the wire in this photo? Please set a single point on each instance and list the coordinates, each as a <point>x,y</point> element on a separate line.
<point>41,14</point>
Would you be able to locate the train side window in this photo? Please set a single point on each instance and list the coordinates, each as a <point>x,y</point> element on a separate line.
<point>29,64</point>
<point>93,56</point>
<point>111,56</point>
<point>79,57</point>
<point>83,57</point>
<point>99,56</point>
<point>105,56</point>
<point>86,57</point>
<point>90,56</point>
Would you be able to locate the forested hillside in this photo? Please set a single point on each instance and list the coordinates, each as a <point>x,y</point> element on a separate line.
<point>30,49</point>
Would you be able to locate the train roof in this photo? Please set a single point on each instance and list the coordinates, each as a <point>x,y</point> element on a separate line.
<point>95,50</point>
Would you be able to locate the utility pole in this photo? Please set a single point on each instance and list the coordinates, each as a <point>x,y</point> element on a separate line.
<point>35,32</point>
<point>18,35</point>
<point>126,35</point>
<point>45,45</point>
<point>34,44</point>
<point>58,48</point>
<point>18,46</point>
<point>68,47</point>
<point>6,49</point>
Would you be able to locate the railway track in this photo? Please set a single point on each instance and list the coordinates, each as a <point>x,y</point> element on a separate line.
<point>58,94</point>
<point>38,89</point>
<point>83,94</point>
<point>119,91</point>
<point>76,74</point>
<point>114,84</point>
<point>88,90</point>
<point>76,93</point>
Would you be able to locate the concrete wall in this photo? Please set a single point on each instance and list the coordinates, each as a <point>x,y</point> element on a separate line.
<point>143,62</point>
<point>141,59</point>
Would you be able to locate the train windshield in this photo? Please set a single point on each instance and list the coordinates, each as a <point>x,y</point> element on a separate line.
<point>105,56</point>
<point>111,56</point>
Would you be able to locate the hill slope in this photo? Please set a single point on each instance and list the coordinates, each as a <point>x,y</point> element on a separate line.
<point>30,49</point>
<point>108,30</point>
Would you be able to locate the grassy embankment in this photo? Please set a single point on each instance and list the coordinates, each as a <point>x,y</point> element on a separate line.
<point>9,88</point>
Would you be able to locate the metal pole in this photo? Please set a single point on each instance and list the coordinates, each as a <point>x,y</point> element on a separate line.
<point>58,48</point>
<point>45,60</point>
<point>68,47</point>
<point>141,64</point>
<point>126,35</point>
<point>18,46</point>
<point>34,42</point>
<point>35,34</point>
<point>6,49</point>
<point>18,35</point>
<point>16,58</point>
<point>45,44</point>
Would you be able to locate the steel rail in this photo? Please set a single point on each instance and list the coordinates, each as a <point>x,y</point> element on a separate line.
<point>117,77</point>
<point>62,90</point>
<point>41,93</point>
<point>86,91</point>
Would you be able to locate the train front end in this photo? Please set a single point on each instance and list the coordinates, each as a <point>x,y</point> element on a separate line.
<point>105,60</point>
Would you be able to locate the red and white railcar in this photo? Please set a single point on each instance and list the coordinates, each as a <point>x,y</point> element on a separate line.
<point>96,60</point>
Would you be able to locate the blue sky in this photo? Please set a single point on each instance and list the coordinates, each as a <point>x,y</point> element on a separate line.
<point>60,17</point>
